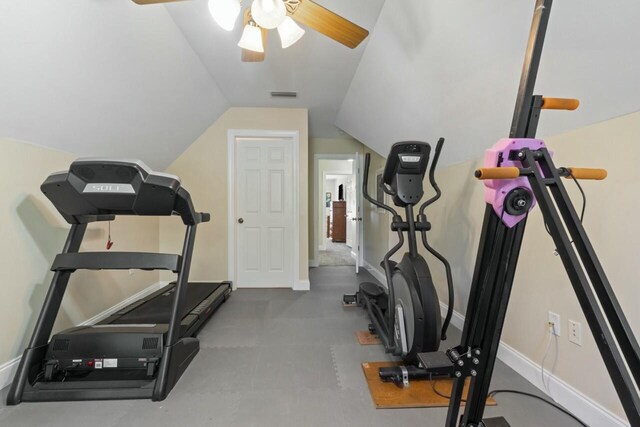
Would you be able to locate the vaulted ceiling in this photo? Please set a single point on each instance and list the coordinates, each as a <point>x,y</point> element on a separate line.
<point>108,77</point>
<point>452,68</point>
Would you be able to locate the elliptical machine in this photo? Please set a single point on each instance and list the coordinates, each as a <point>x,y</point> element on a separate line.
<point>406,315</point>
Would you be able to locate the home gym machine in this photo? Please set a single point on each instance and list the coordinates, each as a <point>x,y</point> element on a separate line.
<point>518,174</point>
<point>142,350</point>
<point>406,315</point>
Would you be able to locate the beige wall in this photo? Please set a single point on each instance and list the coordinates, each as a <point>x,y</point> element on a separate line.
<point>33,232</point>
<point>203,170</point>
<point>541,284</point>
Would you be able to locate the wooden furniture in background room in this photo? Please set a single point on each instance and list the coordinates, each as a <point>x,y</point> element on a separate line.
<point>328,226</point>
<point>339,228</point>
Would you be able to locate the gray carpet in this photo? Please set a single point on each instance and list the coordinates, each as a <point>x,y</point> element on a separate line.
<point>279,358</point>
<point>336,254</point>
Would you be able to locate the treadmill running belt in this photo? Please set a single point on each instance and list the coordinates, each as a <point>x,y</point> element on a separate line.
<point>158,309</point>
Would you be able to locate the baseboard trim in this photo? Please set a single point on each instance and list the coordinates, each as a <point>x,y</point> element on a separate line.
<point>8,371</point>
<point>380,277</point>
<point>314,263</point>
<point>576,402</point>
<point>302,285</point>
<point>9,368</point>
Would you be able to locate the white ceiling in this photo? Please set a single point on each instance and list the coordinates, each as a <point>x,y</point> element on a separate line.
<point>318,68</point>
<point>102,77</point>
<point>108,77</point>
<point>451,68</point>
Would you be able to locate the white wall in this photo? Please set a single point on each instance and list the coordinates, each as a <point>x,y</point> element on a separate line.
<point>108,78</point>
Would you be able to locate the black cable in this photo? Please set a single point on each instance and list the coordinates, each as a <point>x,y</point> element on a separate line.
<point>584,197</point>
<point>548,402</point>
<point>433,386</point>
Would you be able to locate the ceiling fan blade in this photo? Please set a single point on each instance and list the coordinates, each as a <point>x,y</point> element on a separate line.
<point>153,1</point>
<point>250,55</point>
<point>330,24</point>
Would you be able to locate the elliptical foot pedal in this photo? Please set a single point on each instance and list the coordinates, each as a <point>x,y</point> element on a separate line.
<point>495,422</point>
<point>437,363</point>
<point>372,290</point>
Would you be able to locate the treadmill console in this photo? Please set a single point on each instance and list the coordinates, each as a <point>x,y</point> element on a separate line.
<point>94,189</point>
<point>404,172</point>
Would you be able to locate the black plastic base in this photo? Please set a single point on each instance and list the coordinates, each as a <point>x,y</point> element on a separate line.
<point>436,363</point>
<point>495,422</point>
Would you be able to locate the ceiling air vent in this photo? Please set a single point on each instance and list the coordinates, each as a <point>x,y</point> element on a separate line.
<point>281,94</point>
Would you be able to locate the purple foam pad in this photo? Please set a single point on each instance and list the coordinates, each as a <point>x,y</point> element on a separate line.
<point>496,190</point>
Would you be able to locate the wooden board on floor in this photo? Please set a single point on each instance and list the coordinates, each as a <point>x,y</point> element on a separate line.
<point>420,394</point>
<point>367,338</point>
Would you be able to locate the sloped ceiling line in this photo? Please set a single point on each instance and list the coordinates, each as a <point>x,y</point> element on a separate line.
<point>451,68</point>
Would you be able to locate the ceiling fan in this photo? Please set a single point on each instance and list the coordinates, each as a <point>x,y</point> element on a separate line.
<point>264,15</point>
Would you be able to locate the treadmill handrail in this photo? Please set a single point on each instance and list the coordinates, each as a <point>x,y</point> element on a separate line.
<point>116,261</point>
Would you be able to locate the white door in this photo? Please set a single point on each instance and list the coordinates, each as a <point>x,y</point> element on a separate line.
<point>358,247</point>
<point>352,213</point>
<point>264,212</point>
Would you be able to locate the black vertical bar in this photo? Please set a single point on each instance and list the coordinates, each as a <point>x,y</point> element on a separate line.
<point>478,294</point>
<point>491,284</point>
<point>489,337</point>
<point>521,114</point>
<point>53,300</point>
<point>173,334</point>
<point>32,355</point>
<point>613,359</point>
<point>534,116</point>
<point>411,234</point>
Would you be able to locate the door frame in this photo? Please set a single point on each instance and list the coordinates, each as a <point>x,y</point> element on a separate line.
<point>318,195</point>
<point>232,136</point>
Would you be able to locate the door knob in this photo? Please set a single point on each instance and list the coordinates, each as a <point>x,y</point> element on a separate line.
<point>354,219</point>
<point>240,220</point>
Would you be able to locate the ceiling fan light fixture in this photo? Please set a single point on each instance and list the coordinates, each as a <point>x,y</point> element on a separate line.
<point>251,38</point>
<point>268,13</point>
<point>290,32</point>
<point>225,12</point>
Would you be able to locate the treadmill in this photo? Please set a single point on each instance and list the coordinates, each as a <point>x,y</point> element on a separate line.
<point>140,351</point>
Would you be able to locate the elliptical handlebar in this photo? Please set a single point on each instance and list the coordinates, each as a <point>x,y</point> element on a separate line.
<point>432,177</point>
<point>365,190</point>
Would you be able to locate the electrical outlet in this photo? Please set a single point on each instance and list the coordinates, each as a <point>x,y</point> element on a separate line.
<point>554,323</point>
<point>575,332</point>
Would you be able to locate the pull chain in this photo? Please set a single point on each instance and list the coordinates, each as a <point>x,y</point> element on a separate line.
<point>109,241</point>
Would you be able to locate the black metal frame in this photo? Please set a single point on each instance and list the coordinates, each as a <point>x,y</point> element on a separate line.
<point>497,260</point>
<point>177,353</point>
<point>178,350</point>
